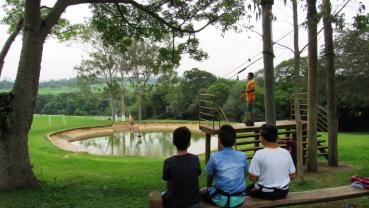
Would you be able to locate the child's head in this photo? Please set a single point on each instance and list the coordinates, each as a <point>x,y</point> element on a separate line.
<point>227,135</point>
<point>269,132</point>
<point>181,138</point>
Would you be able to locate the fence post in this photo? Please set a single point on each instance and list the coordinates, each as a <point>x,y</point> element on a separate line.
<point>207,147</point>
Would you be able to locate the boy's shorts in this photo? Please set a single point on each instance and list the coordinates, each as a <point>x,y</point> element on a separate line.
<point>250,107</point>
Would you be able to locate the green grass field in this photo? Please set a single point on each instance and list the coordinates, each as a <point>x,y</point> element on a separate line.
<point>51,91</point>
<point>84,180</point>
<point>95,88</point>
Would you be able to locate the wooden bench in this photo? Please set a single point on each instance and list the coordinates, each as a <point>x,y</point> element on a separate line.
<point>293,198</point>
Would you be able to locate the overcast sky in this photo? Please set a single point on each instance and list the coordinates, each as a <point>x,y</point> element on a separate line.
<point>227,54</point>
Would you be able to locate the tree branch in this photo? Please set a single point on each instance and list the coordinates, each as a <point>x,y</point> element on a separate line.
<point>61,5</point>
<point>168,24</point>
<point>53,17</point>
<point>284,46</point>
<point>9,42</point>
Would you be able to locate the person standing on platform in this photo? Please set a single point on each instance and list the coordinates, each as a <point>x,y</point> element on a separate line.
<point>249,95</point>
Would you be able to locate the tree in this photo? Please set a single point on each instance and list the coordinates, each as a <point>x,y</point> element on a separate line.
<point>162,96</point>
<point>102,64</point>
<point>122,70</point>
<point>300,147</point>
<point>194,82</point>
<point>268,57</point>
<point>312,18</point>
<point>330,84</point>
<point>352,63</point>
<point>18,105</point>
<point>144,60</point>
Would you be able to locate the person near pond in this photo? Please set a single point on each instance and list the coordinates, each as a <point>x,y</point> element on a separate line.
<point>249,95</point>
<point>132,122</point>
<point>181,173</point>
<point>271,167</point>
<point>227,167</point>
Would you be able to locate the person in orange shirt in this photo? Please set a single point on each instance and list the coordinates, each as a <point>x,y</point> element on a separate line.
<point>249,95</point>
<point>132,122</point>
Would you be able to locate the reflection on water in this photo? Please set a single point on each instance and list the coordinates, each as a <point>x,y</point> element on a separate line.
<point>157,144</point>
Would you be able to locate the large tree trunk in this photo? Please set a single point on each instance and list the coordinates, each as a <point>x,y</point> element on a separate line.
<point>268,64</point>
<point>312,17</point>
<point>15,166</point>
<point>330,86</point>
<point>8,43</point>
<point>299,153</point>
<point>112,105</point>
<point>122,103</point>
<point>140,105</point>
<point>122,94</point>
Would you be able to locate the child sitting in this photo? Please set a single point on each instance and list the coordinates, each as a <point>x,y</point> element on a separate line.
<point>271,167</point>
<point>181,174</point>
<point>228,168</point>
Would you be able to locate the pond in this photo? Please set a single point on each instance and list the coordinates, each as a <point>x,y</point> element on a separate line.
<point>149,144</point>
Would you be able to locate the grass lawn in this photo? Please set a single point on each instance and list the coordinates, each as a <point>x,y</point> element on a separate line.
<point>95,88</point>
<point>84,180</point>
<point>50,91</point>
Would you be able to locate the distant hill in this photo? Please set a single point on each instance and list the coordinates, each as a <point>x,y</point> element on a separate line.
<point>5,84</point>
<point>60,83</point>
<point>48,87</point>
<point>54,87</point>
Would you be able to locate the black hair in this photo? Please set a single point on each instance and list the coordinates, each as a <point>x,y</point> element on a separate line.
<point>227,135</point>
<point>269,132</point>
<point>181,137</point>
<point>251,74</point>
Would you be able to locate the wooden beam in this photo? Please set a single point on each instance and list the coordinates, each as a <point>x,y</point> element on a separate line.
<point>293,198</point>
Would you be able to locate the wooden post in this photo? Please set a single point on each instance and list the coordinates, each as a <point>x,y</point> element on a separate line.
<point>330,84</point>
<point>299,153</point>
<point>207,147</point>
<point>312,17</point>
<point>155,200</point>
<point>268,62</point>
<point>256,138</point>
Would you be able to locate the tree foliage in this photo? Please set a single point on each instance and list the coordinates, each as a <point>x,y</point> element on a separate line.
<point>159,19</point>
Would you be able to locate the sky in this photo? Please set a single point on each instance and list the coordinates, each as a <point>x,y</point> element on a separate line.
<point>228,53</point>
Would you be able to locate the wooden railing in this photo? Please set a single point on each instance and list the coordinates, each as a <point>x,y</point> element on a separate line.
<point>207,109</point>
<point>249,142</point>
<point>322,122</point>
<point>209,112</point>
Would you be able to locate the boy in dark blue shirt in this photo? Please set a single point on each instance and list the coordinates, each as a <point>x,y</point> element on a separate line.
<point>181,173</point>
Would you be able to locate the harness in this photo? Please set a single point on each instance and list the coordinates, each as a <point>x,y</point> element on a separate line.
<point>228,195</point>
<point>284,188</point>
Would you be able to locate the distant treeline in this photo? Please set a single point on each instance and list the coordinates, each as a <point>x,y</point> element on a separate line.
<point>177,98</point>
<point>5,84</point>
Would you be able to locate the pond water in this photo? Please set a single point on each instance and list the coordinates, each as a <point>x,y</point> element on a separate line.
<point>152,144</point>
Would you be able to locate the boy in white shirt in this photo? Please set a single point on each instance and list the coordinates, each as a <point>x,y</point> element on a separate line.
<point>271,167</point>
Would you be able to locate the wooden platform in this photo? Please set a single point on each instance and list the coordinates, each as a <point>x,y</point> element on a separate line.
<point>209,130</point>
<point>241,127</point>
<point>293,198</point>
